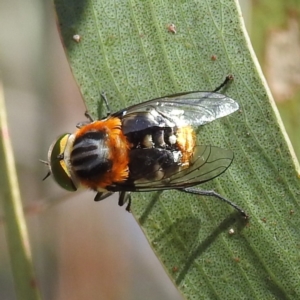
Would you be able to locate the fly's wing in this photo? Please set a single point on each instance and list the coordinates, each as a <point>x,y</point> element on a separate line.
<point>194,108</point>
<point>207,163</point>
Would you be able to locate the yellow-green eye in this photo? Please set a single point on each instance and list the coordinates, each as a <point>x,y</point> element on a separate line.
<point>57,164</point>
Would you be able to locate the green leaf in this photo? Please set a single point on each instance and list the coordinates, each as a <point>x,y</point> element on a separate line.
<point>125,49</point>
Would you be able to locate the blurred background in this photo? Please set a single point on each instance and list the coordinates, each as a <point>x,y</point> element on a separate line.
<point>82,249</point>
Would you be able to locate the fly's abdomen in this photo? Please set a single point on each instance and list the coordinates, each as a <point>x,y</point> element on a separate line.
<point>152,129</point>
<point>153,164</point>
<point>186,142</point>
<point>158,152</point>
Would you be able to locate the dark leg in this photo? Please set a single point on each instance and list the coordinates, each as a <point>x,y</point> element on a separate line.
<point>103,95</point>
<point>196,191</point>
<point>128,206</point>
<point>90,118</point>
<point>102,195</point>
<point>226,81</point>
<point>123,198</point>
<point>87,115</point>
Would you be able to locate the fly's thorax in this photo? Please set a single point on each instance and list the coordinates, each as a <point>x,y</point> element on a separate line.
<point>90,155</point>
<point>99,156</point>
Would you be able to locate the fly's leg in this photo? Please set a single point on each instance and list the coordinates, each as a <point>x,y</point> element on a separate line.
<point>90,118</point>
<point>225,82</point>
<point>102,195</point>
<point>124,197</point>
<point>196,191</point>
<point>104,98</point>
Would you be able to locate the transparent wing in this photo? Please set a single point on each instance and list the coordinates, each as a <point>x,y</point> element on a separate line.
<point>194,108</point>
<point>207,163</point>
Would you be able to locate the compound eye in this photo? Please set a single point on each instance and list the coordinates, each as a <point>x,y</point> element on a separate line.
<point>57,164</point>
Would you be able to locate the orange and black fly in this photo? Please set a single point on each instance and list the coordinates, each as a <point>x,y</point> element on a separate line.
<point>146,147</point>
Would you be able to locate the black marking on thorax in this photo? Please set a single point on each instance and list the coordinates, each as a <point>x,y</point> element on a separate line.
<point>90,155</point>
